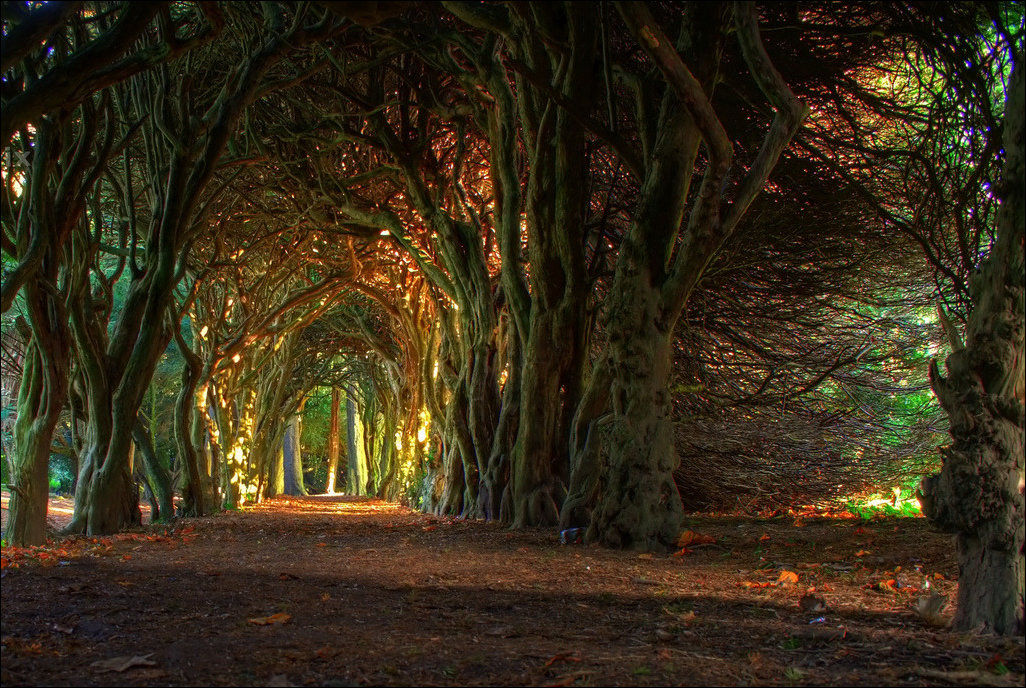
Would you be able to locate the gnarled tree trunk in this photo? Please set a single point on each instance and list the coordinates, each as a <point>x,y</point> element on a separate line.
<point>978,494</point>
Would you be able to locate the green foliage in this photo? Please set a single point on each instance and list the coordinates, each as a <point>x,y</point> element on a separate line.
<point>61,473</point>
<point>901,503</point>
<point>317,424</point>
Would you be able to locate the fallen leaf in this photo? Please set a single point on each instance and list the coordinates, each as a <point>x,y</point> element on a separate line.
<point>787,578</point>
<point>279,618</point>
<point>325,596</point>
<point>996,665</point>
<point>429,528</point>
<point>764,537</point>
<point>120,664</point>
<point>646,555</point>
<point>568,679</point>
<point>563,657</point>
<point>888,585</point>
<point>863,552</point>
<point>690,537</point>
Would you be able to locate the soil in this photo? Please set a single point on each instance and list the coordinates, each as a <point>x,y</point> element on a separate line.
<point>338,591</point>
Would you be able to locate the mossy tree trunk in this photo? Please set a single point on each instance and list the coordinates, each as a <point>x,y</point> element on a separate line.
<point>978,494</point>
<point>631,474</point>
<point>65,162</point>
<point>186,417</point>
<point>40,401</point>
<point>555,329</point>
<point>157,476</point>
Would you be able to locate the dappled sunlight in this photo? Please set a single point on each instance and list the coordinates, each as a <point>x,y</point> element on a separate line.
<point>339,504</point>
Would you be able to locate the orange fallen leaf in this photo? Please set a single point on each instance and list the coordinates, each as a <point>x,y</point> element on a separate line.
<point>787,578</point>
<point>863,552</point>
<point>325,596</point>
<point>690,537</point>
<point>764,537</point>
<point>322,544</point>
<point>429,528</point>
<point>566,679</point>
<point>887,585</point>
<point>682,552</point>
<point>279,618</point>
<point>563,657</point>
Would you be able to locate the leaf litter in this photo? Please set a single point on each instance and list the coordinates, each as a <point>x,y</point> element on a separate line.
<point>394,597</point>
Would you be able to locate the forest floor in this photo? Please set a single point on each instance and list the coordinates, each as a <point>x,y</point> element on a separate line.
<point>339,591</point>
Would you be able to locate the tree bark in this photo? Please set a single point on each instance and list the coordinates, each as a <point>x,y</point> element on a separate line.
<point>978,494</point>
<point>293,457</point>
<point>33,432</point>
<point>356,472</point>
<point>156,474</point>
<point>333,440</point>
<point>185,412</point>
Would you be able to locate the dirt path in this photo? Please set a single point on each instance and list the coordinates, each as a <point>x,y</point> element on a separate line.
<point>337,591</point>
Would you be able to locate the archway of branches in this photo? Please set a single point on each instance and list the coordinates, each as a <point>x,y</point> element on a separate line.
<point>535,262</point>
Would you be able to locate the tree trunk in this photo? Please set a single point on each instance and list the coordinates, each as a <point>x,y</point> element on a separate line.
<point>33,432</point>
<point>495,495</point>
<point>641,508</point>
<point>293,457</point>
<point>356,473</point>
<point>333,440</point>
<point>156,475</point>
<point>540,455</point>
<point>978,494</point>
<point>185,411</point>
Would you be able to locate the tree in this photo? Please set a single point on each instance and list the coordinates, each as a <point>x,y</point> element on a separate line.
<point>182,156</point>
<point>638,503</point>
<point>978,494</point>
